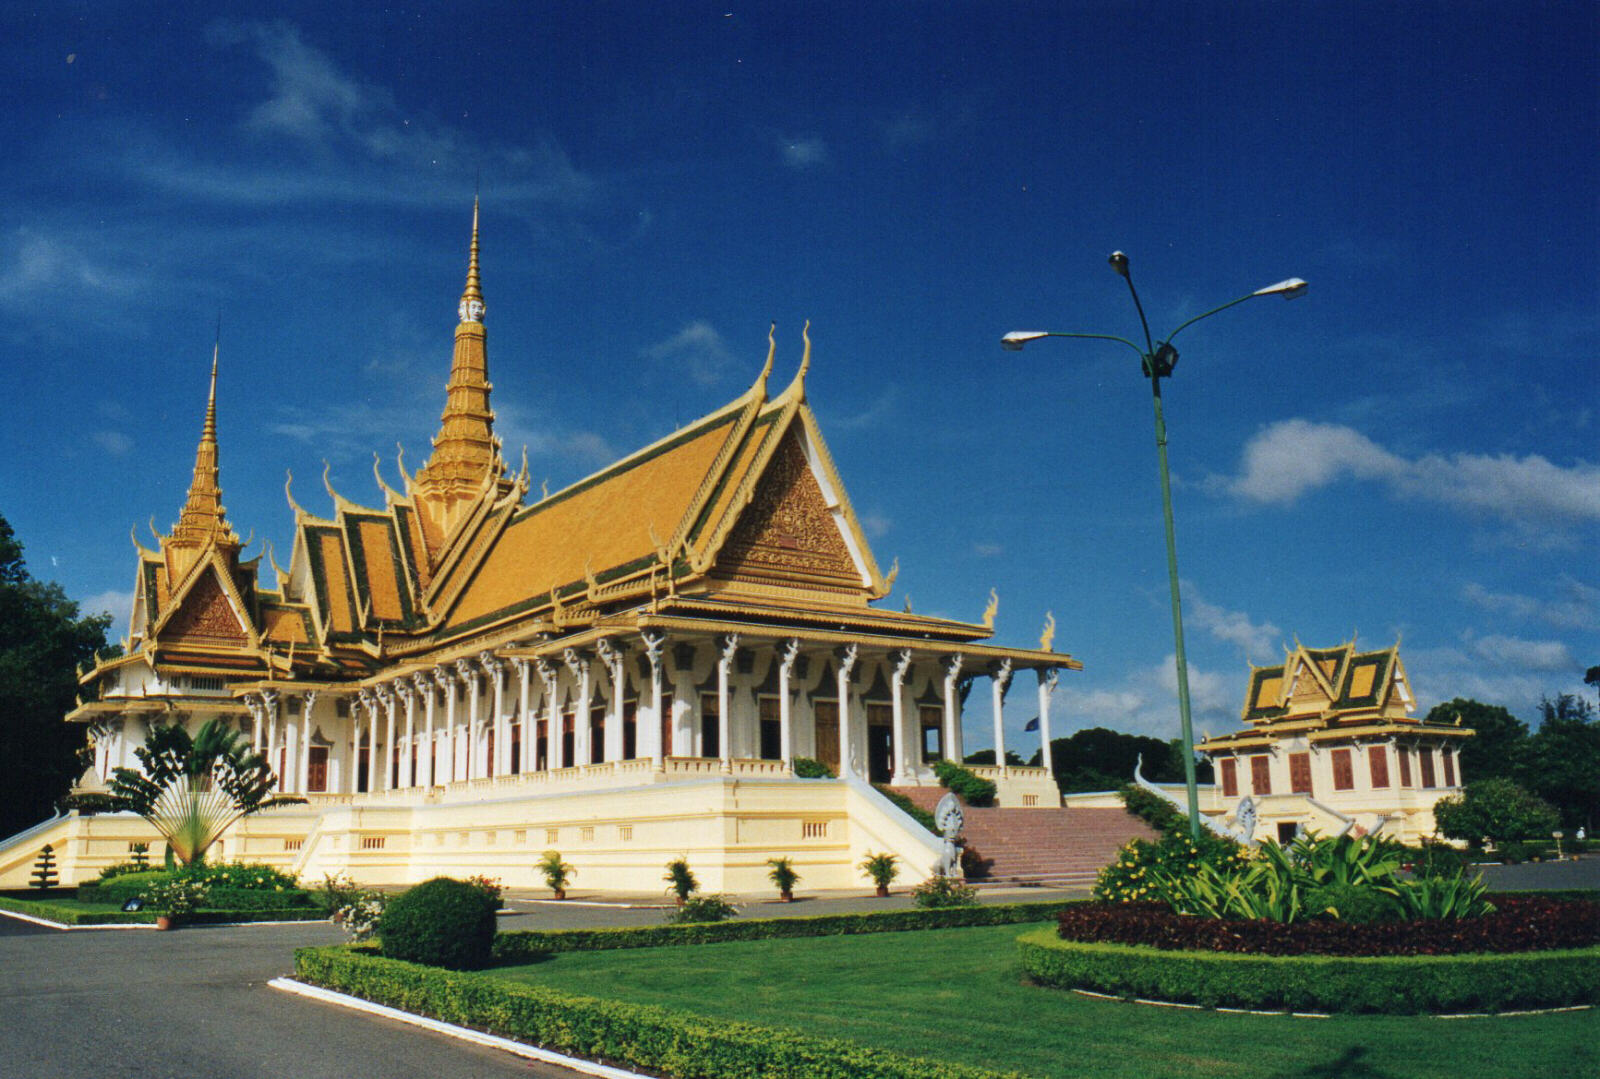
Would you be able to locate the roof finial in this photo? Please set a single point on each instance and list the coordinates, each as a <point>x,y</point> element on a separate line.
<point>472,308</point>
<point>772,350</point>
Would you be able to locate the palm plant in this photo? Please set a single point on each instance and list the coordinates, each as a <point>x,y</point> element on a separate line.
<point>783,876</point>
<point>680,879</point>
<point>193,788</point>
<point>882,869</point>
<point>556,873</point>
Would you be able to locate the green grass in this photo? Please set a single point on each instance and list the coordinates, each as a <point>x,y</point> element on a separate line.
<point>958,994</point>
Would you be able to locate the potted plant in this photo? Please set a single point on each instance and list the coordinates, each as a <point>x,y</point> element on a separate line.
<point>174,899</point>
<point>556,872</point>
<point>783,876</point>
<point>882,868</point>
<point>680,880</point>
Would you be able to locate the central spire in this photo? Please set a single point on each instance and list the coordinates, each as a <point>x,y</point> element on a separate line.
<point>466,455</point>
<point>203,519</point>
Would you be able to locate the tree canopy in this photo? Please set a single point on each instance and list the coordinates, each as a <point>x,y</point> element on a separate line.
<point>1099,759</point>
<point>43,639</point>
<point>1499,742</point>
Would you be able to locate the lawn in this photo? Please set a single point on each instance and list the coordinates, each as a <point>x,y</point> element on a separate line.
<point>958,994</point>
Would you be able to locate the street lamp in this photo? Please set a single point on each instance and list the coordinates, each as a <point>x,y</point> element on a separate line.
<point>1157,362</point>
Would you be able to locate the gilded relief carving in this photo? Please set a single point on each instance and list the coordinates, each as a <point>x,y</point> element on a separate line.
<point>788,529</point>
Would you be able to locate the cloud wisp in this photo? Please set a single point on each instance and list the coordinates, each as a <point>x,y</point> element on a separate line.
<point>1291,457</point>
<point>698,349</point>
<point>1576,606</point>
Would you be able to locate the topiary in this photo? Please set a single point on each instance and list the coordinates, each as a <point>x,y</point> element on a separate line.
<point>441,922</point>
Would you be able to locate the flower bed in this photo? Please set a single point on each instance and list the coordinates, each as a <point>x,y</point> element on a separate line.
<point>1391,984</point>
<point>1519,924</point>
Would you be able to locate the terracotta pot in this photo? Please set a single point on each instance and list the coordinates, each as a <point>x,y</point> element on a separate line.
<point>164,921</point>
<point>883,891</point>
<point>786,896</point>
<point>561,893</point>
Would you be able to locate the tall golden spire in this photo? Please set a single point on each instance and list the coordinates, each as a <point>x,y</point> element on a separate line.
<point>466,456</point>
<point>203,520</point>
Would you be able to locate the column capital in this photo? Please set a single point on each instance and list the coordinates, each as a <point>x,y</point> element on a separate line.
<point>576,662</point>
<point>847,656</point>
<point>899,666</point>
<point>1001,673</point>
<point>491,664</point>
<point>547,674</point>
<point>952,666</point>
<point>467,671</point>
<point>727,648</point>
<point>1048,677</point>
<point>655,644</point>
<point>443,677</point>
<point>609,654</point>
<point>790,653</point>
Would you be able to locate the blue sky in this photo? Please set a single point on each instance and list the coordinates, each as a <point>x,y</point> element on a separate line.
<point>1410,451</point>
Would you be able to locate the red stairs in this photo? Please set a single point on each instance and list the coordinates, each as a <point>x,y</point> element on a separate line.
<point>1056,847</point>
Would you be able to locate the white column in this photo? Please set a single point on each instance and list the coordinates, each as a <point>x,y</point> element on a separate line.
<point>650,738</point>
<point>362,704</point>
<point>791,652</point>
<point>493,764</point>
<point>904,768</point>
<point>725,656</point>
<point>1047,686</point>
<point>847,755</point>
<point>269,700</point>
<point>447,686</point>
<point>407,777</point>
<point>372,745</point>
<point>306,727</point>
<point>386,695</point>
<point>582,676</point>
<point>524,722</point>
<point>952,708</point>
<point>425,686</point>
<point>293,733</point>
<point>550,679</point>
<point>612,657</point>
<point>473,765</point>
<point>1000,681</point>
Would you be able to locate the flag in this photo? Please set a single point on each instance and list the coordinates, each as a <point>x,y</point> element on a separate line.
<point>1033,724</point>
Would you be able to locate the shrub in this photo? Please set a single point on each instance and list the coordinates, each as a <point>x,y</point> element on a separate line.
<point>1513,852</point>
<point>680,879</point>
<point>1435,859</point>
<point>782,873</point>
<point>1392,984</point>
<point>881,869</point>
<point>122,869</point>
<point>491,887</point>
<point>965,784</point>
<point>1154,810</point>
<point>806,768</point>
<point>702,908</point>
<point>335,893</point>
<point>441,922</point>
<point>1351,903</point>
<point>360,919</point>
<point>909,808</point>
<point>556,873</point>
<point>939,892</point>
<point>1460,896</point>
<point>1520,924</point>
<point>1496,809</point>
<point>1142,864</point>
<point>251,876</point>
<point>175,896</point>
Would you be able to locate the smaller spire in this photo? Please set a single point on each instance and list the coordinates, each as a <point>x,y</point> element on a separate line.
<point>203,519</point>
<point>472,308</point>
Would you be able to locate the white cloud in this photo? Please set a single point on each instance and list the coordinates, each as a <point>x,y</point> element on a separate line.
<point>41,265</point>
<point>119,605</point>
<point>876,525</point>
<point>987,550</point>
<point>1576,607</point>
<point>1506,651</point>
<point>1257,641</point>
<point>803,153</point>
<point>1290,457</point>
<point>1146,702</point>
<point>113,442</point>
<point>699,348</point>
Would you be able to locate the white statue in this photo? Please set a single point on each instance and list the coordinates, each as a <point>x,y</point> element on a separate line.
<point>948,817</point>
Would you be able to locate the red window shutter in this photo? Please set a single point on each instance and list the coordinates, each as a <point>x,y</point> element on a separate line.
<point>1300,773</point>
<point>1378,764</point>
<point>1449,758</point>
<point>1230,778</point>
<point>1344,778</point>
<point>1404,756</point>
<point>1261,775</point>
<point>1425,757</point>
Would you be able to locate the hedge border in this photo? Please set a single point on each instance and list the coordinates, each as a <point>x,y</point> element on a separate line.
<point>1393,985</point>
<point>520,945</point>
<point>636,1035</point>
<point>52,912</point>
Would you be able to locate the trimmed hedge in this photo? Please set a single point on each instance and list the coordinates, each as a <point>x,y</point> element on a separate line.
<point>118,893</point>
<point>443,922</point>
<point>634,1035</point>
<point>530,943</point>
<point>965,784</point>
<point>1520,924</point>
<point>72,915</point>
<point>1398,985</point>
<point>909,808</point>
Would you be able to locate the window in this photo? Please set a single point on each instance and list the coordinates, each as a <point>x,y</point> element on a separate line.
<point>710,726</point>
<point>932,719</point>
<point>1230,777</point>
<point>372,842</point>
<point>1425,758</point>
<point>1378,765</point>
<point>771,729</point>
<point>1344,778</point>
<point>317,769</point>
<point>814,829</point>
<point>1449,759</point>
<point>1300,773</point>
<point>1404,757</point>
<point>1261,775</point>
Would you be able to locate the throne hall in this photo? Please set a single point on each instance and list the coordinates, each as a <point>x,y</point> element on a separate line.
<point>624,671</point>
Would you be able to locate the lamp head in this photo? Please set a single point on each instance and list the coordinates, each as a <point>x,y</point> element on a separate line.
<point>1013,341</point>
<point>1119,263</point>
<point>1288,289</point>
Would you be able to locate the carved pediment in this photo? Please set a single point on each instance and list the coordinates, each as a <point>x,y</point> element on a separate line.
<point>206,615</point>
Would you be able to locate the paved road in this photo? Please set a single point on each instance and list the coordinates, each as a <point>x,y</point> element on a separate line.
<point>194,1004</point>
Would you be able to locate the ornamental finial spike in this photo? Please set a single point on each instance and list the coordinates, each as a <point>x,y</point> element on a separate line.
<point>472,308</point>
<point>992,609</point>
<point>1048,636</point>
<point>772,350</point>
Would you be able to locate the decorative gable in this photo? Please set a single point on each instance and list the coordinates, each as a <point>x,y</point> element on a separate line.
<point>206,616</point>
<point>788,533</point>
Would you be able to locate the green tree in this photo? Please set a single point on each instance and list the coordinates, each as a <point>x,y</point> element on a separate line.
<point>191,788</point>
<point>1495,809</point>
<point>1498,748</point>
<point>1564,760</point>
<point>43,640</point>
<point>1098,759</point>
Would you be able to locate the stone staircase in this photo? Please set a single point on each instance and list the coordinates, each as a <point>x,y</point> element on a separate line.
<point>1056,847</point>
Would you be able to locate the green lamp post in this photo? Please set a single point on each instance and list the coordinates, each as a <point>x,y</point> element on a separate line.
<point>1157,362</point>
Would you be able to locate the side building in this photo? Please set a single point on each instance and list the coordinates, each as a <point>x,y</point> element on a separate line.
<point>625,670</point>
<point>1332,745</point>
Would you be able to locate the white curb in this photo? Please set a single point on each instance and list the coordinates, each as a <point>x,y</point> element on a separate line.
<point>450,1030</point>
